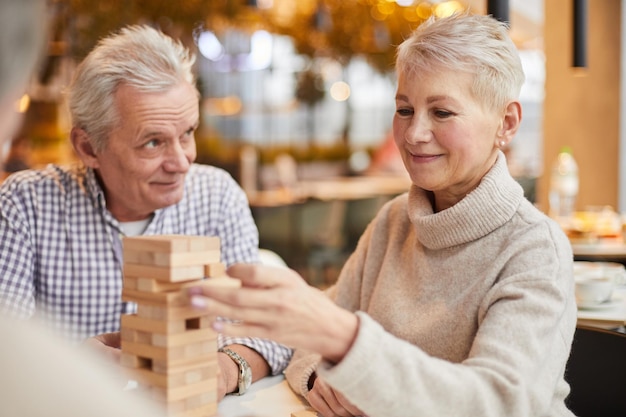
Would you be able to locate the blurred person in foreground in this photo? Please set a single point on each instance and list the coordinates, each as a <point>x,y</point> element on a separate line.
<point>41,376</point>
<point>134,109</point>
<point>459,298</point>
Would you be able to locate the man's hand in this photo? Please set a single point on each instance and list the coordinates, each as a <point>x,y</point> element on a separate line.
<point>228,372</point>
<point>106,345</point>
<point>227,375</point>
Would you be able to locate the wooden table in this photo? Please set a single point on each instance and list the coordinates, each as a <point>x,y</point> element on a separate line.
<point>609,250</point>
<point>268,397</point>
<point>337,188</point>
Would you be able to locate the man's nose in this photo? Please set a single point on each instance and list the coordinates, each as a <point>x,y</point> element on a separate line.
<point>179,158</point>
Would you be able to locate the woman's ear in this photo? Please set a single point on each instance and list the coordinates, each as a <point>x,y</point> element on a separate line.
<point>83,147</point>
<point>510,121</point>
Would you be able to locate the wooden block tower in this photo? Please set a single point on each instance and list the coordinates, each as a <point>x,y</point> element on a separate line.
<point>169,345</point>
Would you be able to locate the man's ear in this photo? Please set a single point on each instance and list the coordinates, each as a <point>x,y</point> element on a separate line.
<point>510,121</point>
<point>83,147</point>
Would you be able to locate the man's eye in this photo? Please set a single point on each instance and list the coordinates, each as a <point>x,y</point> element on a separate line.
<point>151,144</point>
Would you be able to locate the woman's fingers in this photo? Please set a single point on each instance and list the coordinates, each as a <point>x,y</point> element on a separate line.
<point>264,276</point>
<point>325,400</point>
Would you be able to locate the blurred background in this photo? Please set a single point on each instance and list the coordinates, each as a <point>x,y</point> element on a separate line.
<point>297,103</point>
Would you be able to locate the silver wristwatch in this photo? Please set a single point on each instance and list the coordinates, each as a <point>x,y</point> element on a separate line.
<point>245,373</point>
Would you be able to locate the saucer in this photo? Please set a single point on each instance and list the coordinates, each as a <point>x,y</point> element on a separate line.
<point>598,306</point>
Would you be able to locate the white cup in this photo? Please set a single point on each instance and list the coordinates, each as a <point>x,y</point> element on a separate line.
<point>612,270</point>
<point>592,290</point>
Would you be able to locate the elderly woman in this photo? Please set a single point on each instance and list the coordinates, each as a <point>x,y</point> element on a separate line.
<point>459,299</point>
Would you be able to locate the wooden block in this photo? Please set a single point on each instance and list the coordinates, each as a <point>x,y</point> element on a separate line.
<point>214,269</point>
<point>153,285</point>
<point>132,321</point>
<point>157,292</point>
<point>137,336</point>
<point>129,360</point>
<point>175,298</point>
<point>184,353</point>
<point>130,283</point>
<point>202,243</point>
<point>157,243</point>
<point>188,259</point>
<point>202,322</point>
<point>160,312</point>
<point>180,339</point>
<point>202,371</point>
<point>171,243</point>
<point>161,367</point>
<point>223,281</point>
<point>171,259</point>
<point>186,391</point>
<point>168,340</point>
<point>161,273</point>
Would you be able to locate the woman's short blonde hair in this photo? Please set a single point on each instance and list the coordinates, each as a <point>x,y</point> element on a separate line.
<point>138,56</point>
<point>471,43</point>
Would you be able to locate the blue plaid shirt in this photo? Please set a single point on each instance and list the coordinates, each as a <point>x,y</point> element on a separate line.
<point>60,248</point>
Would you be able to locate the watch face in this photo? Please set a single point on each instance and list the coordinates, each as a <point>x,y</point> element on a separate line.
<point>247,378</point>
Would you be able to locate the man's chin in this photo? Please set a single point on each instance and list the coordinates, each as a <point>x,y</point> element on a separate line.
<point>169,200</point>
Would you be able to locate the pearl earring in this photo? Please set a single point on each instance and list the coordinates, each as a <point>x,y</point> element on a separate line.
<point>502,143</point>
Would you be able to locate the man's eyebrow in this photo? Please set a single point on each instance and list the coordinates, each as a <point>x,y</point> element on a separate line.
<point>150,133</point>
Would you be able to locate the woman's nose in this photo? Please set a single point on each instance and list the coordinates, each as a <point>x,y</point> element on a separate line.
<point>417,132</point>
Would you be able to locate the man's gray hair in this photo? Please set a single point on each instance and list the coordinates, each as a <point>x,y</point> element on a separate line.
<point>138,56</point>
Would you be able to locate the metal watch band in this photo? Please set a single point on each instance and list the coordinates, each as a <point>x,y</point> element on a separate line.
<point>244,378</point>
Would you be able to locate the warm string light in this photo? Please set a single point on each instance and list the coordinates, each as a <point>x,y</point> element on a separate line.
<point>21,106</point>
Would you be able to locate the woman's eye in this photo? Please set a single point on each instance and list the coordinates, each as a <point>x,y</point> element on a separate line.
<point>442,114</point>
<point>404,112</point>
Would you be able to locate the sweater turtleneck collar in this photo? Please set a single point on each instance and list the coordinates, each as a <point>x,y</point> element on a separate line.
<point>483,210</point>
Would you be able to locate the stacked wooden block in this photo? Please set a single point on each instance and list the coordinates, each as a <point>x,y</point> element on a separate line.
<point>169,345</point>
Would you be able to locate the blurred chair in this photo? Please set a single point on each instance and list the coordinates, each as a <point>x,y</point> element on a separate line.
<point>596,372</point>
<point>322,238</point>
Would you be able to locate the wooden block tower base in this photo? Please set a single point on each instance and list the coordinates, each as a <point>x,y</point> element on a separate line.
<point>169,346</point>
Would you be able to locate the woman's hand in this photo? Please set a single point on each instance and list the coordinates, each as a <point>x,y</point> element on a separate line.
<point>330,403</point>
<point>276,303</point>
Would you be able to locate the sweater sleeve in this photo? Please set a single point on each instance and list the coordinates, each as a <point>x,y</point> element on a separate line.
<point>346,294</point>
<point>303,364</point>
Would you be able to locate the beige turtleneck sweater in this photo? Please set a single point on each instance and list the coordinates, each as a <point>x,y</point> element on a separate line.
<point>465,312</point>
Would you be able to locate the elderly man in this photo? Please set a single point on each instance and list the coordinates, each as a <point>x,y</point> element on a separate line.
<point>134,109</point>
<point>61,380</point>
